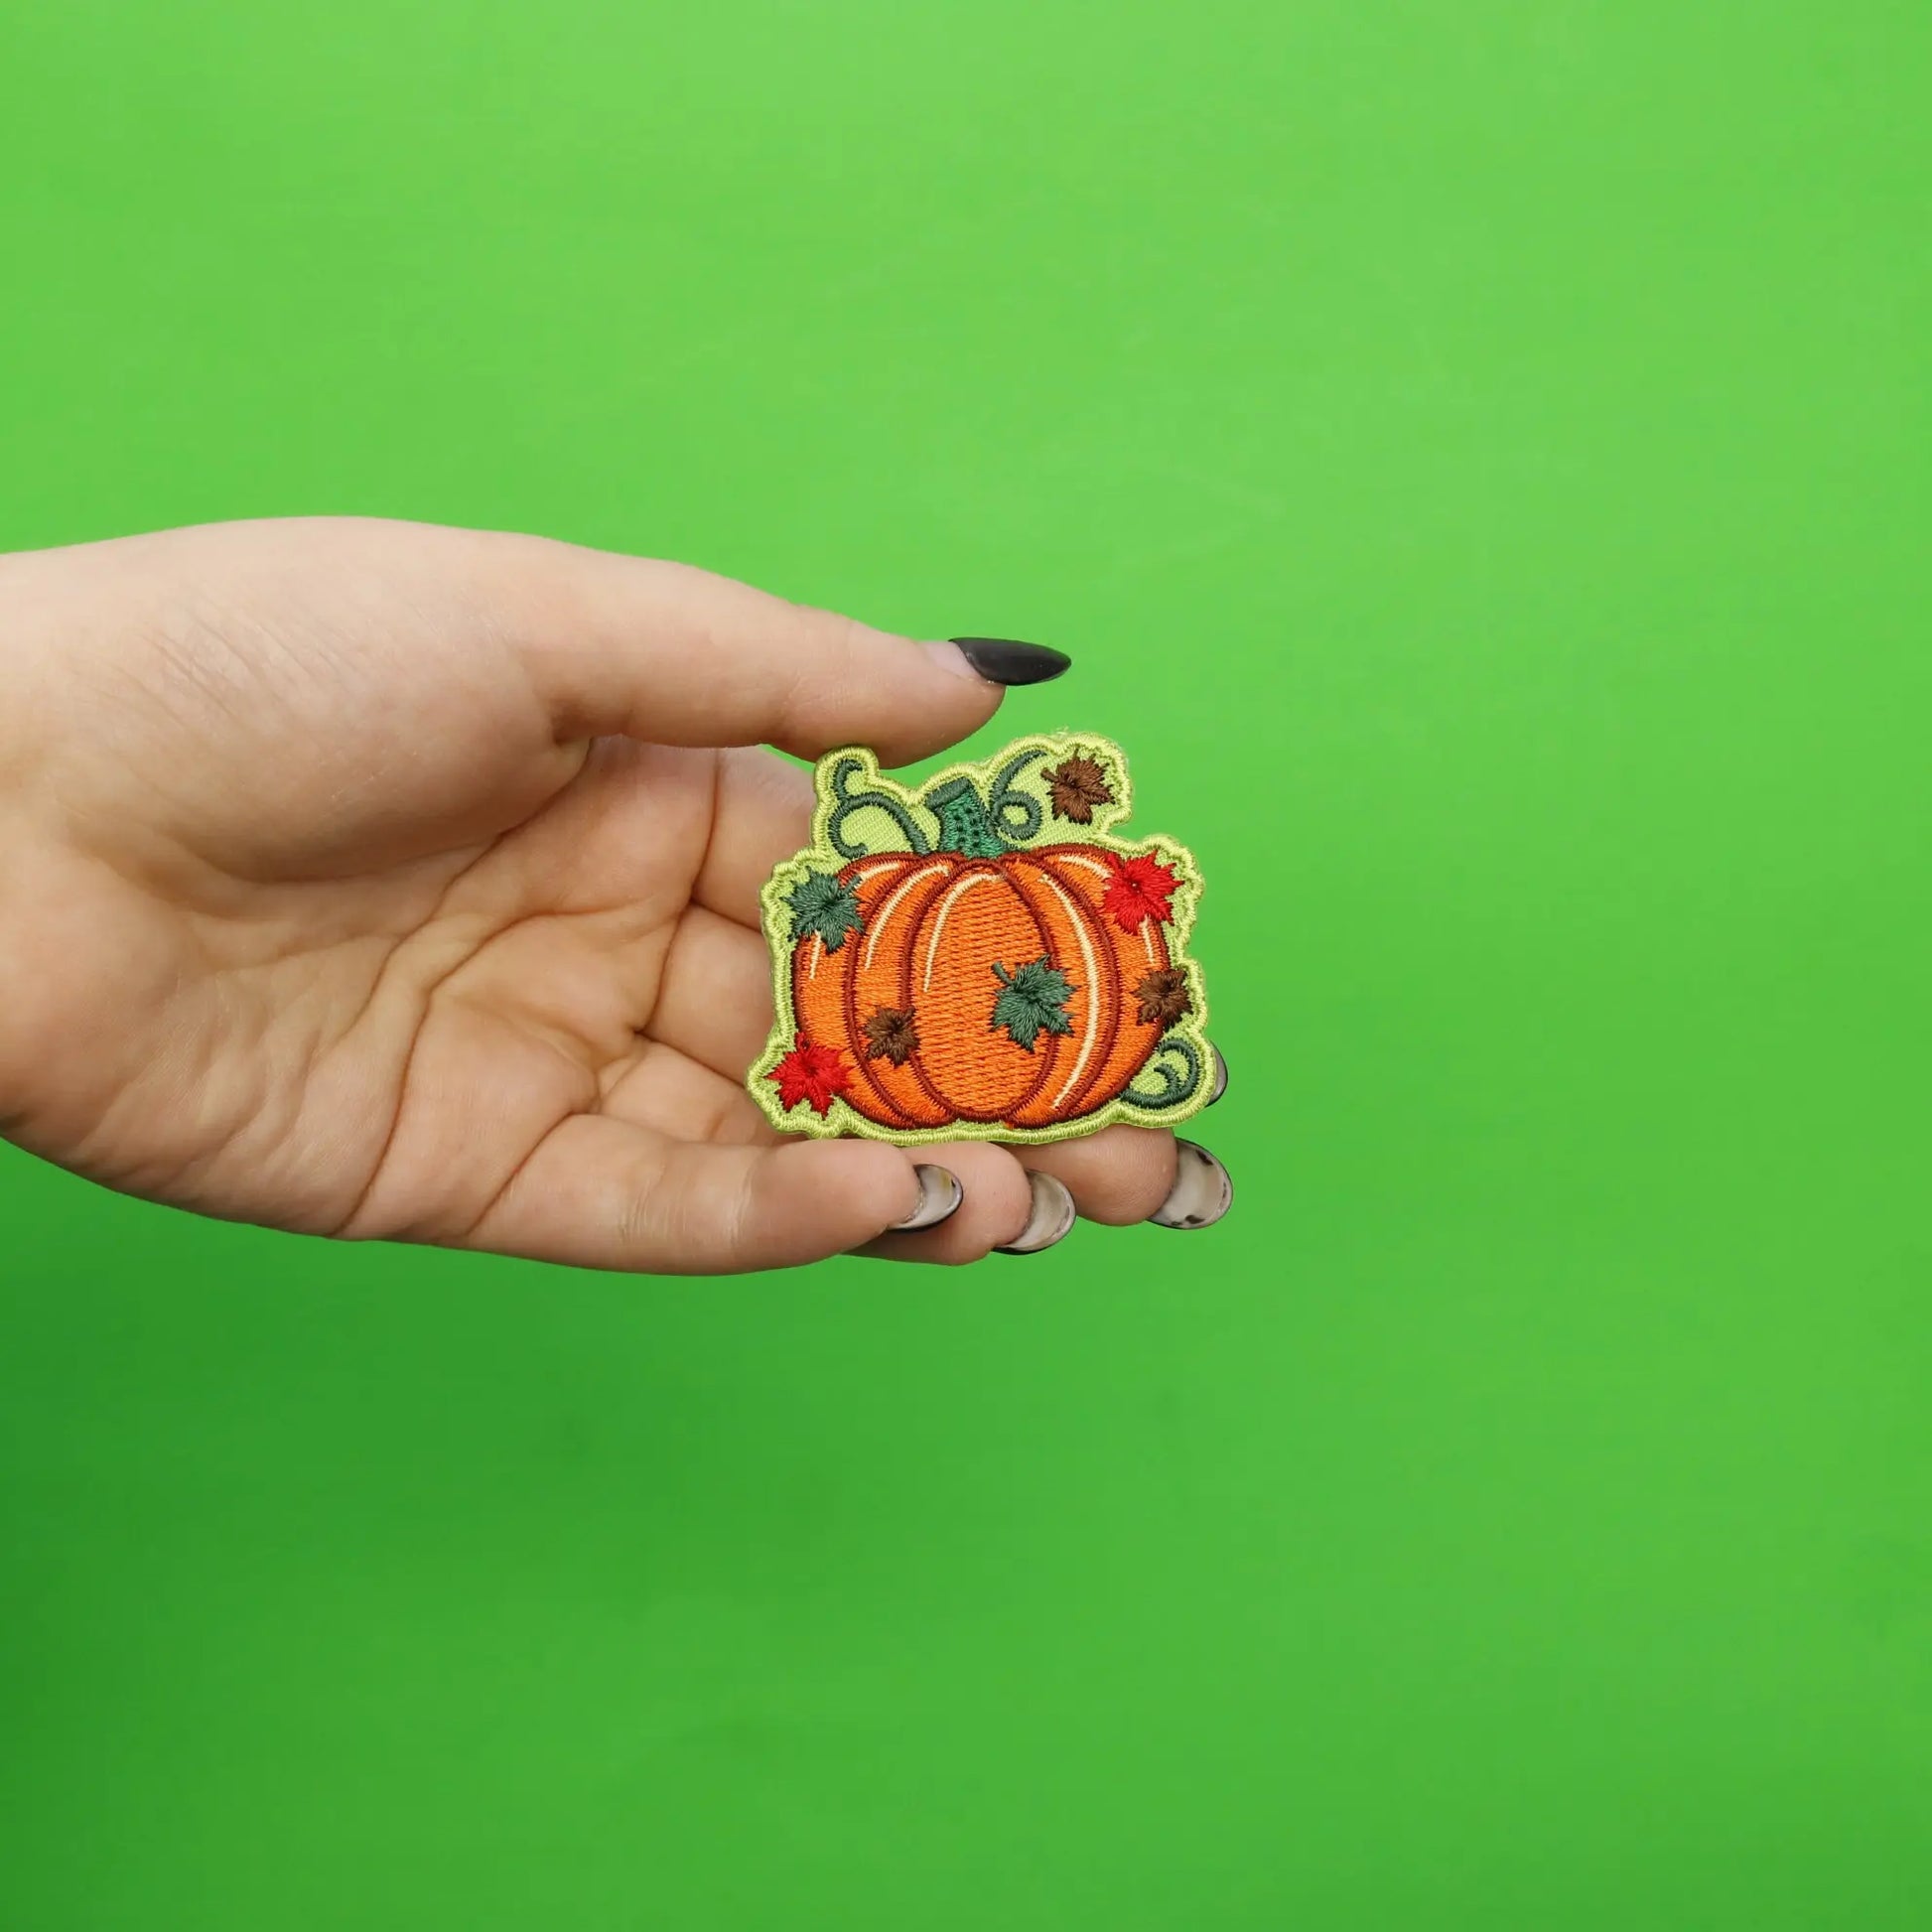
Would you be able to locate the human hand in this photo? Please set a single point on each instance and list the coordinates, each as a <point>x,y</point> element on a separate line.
<point>380,880</point>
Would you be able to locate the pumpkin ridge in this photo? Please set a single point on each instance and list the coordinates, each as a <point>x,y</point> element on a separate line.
<point>907,875</point>
<point>854,1027</point>
<point>909,1001</point>
<point>816,1002</point>
<point>1098,933</point>
<point>1050,1059</point>
<point>1084,1101</point>
<point>1149,944</point>
<point>877,1098</point>
<point>905,1000</point>
<point>1100,1048</point>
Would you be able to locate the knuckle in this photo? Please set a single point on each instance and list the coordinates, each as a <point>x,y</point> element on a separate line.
<point>1131,1182</point>
<point>998,1203</point>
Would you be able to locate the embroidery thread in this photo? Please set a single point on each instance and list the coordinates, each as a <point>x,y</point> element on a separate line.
<point>983,958</point>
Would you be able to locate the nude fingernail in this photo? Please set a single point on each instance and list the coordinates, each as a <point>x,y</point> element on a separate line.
<point>939,1197</point>
<point>1051,1220</point>
<point>1220,1076</point>
<point>1201,1192</point>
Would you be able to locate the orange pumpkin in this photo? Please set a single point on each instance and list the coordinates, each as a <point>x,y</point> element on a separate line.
<point>906,997</point>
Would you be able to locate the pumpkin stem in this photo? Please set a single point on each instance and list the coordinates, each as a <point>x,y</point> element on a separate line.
<point>964,826</point>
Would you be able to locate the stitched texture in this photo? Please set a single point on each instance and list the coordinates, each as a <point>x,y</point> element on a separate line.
<point>982,958</point>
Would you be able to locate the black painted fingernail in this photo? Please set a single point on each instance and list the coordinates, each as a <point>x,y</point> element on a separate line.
<point>1006,660</point>
<point>1202,1195</point>
<point>939,1197</point>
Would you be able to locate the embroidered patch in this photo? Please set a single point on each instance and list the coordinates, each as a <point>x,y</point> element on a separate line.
<point>983,958</point>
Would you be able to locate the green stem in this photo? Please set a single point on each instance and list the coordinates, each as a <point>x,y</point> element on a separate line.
<point>964,826</point>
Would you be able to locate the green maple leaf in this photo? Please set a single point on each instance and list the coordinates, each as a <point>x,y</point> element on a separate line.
<point>820,902</point>
<point>1031,999</point>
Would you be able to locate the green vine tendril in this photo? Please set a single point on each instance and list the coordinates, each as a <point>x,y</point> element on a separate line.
<point>852,801</point>
<point>1175,1088</point>
<point>1004,799</point>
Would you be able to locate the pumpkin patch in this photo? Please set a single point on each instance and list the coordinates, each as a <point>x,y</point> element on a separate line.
<point>944,968</point>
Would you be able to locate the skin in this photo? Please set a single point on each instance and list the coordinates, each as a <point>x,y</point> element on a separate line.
<point>390,882</point>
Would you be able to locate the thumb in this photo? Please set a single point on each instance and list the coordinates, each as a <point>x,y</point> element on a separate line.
<point>661,652</point>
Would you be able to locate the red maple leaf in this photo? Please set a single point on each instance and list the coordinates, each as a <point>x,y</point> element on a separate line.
<point>814,1073</point>
<point>1139,889</point>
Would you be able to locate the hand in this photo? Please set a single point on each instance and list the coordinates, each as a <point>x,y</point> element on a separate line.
<point>385,881</point>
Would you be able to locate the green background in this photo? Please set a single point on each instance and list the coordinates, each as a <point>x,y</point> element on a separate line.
<point>1480,458</point>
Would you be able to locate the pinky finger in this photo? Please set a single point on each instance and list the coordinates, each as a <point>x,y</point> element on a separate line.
<point>599,1192</point>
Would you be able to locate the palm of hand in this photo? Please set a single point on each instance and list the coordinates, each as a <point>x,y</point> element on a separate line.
<point>387,1052</point>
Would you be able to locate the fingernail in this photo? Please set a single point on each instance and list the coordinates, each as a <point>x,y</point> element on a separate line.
<point>1051,1220</point>
<point>1220,1076</point>
<point>1201,1192</point>
<point>939,1197</point>
<point>1006,660</point>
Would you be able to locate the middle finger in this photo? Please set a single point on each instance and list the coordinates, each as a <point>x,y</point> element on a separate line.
<point>1117,1176</point>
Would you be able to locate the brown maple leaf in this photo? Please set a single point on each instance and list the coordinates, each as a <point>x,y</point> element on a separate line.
<point>1163,997</point>
<point>892,1036</point>
<point>1076,785</point>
